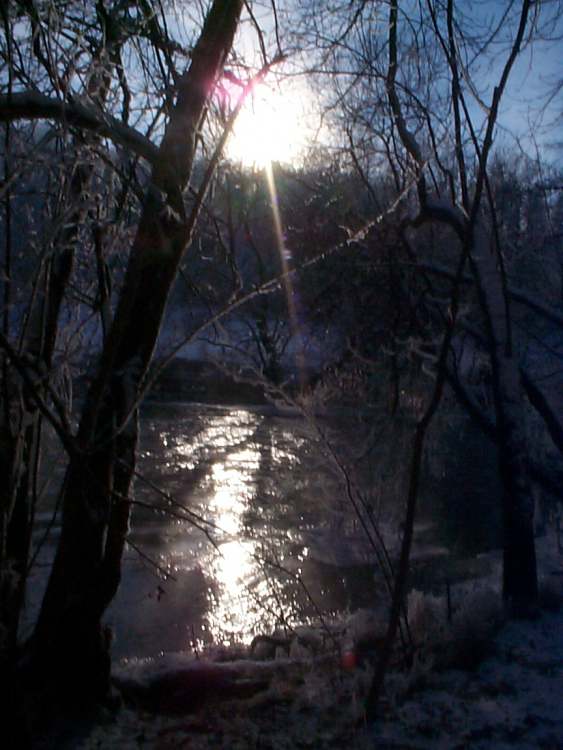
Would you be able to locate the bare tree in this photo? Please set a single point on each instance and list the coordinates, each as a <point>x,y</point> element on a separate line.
<point>414,100</point>
<point>101,455</point>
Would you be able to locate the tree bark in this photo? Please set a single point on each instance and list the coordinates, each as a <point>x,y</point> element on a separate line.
<point>40,329</point>
<point>520,586</point>
<point>20,430</point>
<point>69,641</point>
<point>32,105</point>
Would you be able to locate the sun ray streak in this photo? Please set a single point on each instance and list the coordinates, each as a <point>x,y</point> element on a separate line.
<point>287,280</point>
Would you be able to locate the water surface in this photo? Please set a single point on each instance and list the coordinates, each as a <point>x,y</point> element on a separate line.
<point>241,524</point>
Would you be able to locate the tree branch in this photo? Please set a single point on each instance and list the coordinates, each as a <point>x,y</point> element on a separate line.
<point>517,295</point>
<point>32,105</point>
<point>540,402</point>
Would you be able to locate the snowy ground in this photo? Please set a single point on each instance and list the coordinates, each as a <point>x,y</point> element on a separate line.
<point>508,695</point>
<point>514,699</point>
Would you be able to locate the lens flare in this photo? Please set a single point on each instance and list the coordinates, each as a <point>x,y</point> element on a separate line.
<point>286,274</point>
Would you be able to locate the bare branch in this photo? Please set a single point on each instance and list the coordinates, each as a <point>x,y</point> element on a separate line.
<point>31,105</point>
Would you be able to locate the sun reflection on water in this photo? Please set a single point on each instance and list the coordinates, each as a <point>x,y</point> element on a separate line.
<point>234,470</point>
<point>234,565</point>
<point>229,619</point>
<point>233,488</point>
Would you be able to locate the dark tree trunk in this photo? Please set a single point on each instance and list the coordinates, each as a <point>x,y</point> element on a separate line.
<point>69,642</point>
<point>20,435</point>
<point>21,421</point>
<point>520,585</point>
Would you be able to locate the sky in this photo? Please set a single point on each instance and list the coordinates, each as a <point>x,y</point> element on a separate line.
<point>279,121</point>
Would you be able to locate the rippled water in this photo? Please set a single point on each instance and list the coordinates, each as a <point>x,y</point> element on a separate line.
<point>240,525</point>
<point>265,545</point>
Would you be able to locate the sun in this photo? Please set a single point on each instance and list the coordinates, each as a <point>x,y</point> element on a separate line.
<point>271,127</point>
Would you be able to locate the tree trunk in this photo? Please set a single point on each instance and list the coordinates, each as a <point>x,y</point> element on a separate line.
<point>520,586</point>
<point>20,435</point>
<point>21,421</point>
<point>69,642</point>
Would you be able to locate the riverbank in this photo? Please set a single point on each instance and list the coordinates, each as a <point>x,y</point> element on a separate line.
<point>203,382</point>
<point>479,682</point>
<point>198,381</point>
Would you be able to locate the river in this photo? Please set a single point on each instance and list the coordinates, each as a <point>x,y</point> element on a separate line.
<point>241,524</point>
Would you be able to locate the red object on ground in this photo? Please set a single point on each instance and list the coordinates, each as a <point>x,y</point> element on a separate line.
<point>349,660</point>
